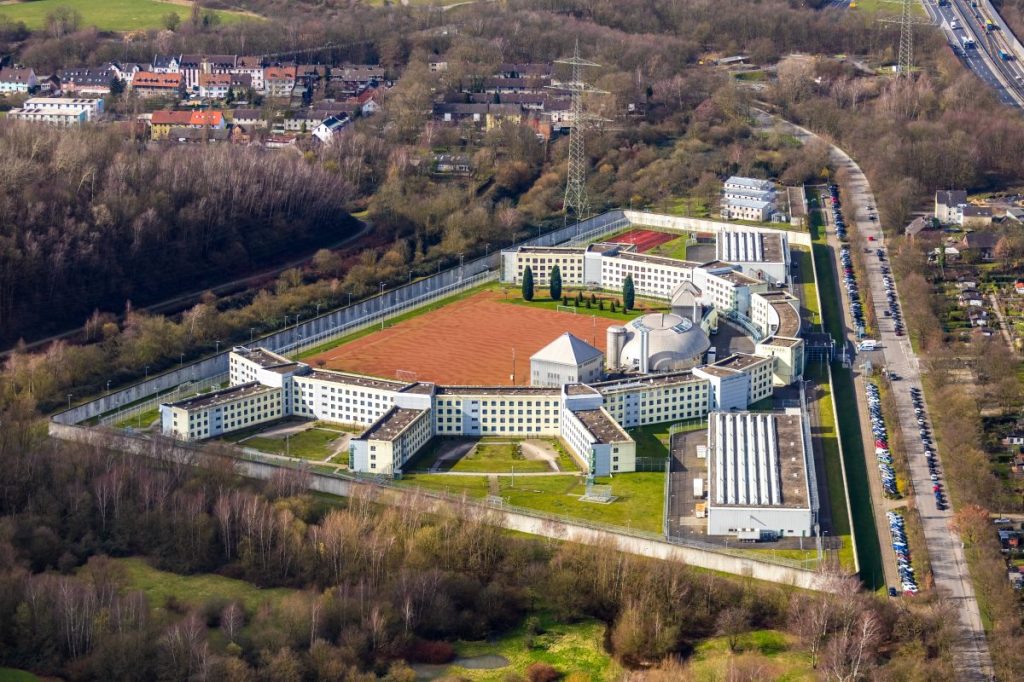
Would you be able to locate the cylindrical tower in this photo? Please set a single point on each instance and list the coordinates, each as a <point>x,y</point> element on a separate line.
<point>616,339</point>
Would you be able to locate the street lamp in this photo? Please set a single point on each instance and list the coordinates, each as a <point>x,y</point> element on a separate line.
<point>181,360</point>
<point>217,346</point>
<point>318,310</point>
<point>108,385</point>
<point>147,371</point>
<point>252,330</point>
<point>487,249</point>
<point>382,305</point>
<point>350,298</point>
<point>69,400</point>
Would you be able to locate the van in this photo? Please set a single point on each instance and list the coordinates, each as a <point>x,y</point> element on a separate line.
<point>712,355</point>
<point>867,345</point>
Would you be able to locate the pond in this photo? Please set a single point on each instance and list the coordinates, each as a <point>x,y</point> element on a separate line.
<point>430,671</point>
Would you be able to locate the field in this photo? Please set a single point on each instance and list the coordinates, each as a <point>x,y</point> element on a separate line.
<point>478,340</point>
<point>314,444</point>
<point>639,504</point>
<point>14,675</point>
<point>193,590</point>
<point>770,652</point>
<point>674,248</point>
<point>107,15</point>
<point>644,240</point>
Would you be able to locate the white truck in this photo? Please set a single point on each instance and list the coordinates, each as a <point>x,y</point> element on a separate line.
<point>867,345</point>
<point>698,488</point>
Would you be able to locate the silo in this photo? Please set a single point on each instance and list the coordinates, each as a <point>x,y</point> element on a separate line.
<point>616,339</point>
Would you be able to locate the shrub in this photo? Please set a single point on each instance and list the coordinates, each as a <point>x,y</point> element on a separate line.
<point>542,672</point>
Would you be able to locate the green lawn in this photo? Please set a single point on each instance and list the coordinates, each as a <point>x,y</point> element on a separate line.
<point>576,647</point>
<point>774,654</point>
<point>108,15</point>
<point>808,290</point>
<point>193,590</point>
<point>498,458</point>
<point>14,675</point>
<point>673,249</point>
<point>312,444</point>
<point>141,420</point>
<point>639,505</point>
<point>651,441</point>
<point>885,7</point>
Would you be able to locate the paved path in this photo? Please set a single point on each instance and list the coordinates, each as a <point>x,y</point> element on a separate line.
<point>1004,326</point>
<point>944,546</point>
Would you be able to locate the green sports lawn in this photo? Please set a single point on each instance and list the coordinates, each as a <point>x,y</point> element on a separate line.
<point>106,15</point>
<point>314,444</point>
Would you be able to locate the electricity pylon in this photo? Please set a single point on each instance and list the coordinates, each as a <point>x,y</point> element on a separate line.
<point>576,199</point>
<point>905,62</point>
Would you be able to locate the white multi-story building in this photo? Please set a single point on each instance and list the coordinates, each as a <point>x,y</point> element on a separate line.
<point>748,199</point>
<point>93,106</point>
<point>64,118</point>
<point>566,360</point>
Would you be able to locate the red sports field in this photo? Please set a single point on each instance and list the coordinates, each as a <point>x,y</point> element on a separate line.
<point>645,240</point>
<point>467,342</point>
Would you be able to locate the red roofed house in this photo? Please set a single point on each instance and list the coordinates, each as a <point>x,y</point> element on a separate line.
<point>278,81</point>
<point>148,84</point>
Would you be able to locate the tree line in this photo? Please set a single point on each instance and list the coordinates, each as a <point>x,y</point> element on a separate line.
<point>374,586</point>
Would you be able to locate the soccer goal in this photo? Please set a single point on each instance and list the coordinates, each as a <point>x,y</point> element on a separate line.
<point>565,309</point>
<point>406,375</point>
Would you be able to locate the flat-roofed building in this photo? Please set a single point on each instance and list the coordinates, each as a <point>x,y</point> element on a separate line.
<point>229,409</point>
<point>63,118</point>
<point>761,474</point>
<point>748,199</point>
<point>758,254</point>
<point>391,441</point>
<point>93,105</point>
<point>599,442</point>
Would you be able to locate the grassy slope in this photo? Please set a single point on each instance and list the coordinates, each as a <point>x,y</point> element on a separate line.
<point>14,675</point>
<point>773,651</point>
<point>107,15</point>
<point>639,504</point>
<point>848,422</point>
<point>193,590</point>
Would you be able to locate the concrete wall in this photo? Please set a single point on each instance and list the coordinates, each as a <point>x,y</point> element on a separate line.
<point>681,224</point>
<point>521,520</point>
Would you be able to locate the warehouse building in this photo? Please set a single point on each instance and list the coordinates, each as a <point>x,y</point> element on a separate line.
<point>761,475</point>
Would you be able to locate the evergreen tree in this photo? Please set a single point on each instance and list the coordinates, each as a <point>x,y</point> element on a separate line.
<point>628,294</point>
<point>528,284</point>
<point>556,283</point>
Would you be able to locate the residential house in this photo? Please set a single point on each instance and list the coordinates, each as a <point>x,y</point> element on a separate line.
<point>977,316</point>
<point>17,79</point>
<point>147,84</point>
<point>189,135</point>
<point>498,114</point>
<point>975,217</point>
<point>1016,578</point>
<point>302,121</point>
<point>252,67</point>
<point>456,113</point>
<point>163,122</point>
<point>527,100</point>
<point>165,64</point>
<point>452,164</point>
<point>947,205</point>
<point>359,73</point>
<point>970,297</point>
<point>192,66</point>
<point>437,66</point>
<point>214,85</point>
<point>279,141</point>
<point>330,127</point>
<point>126,70</point>
<point>1017,466</point>
<point>1018,287</point>
<point>917,226</point>
<point>278,81</point>
<point>966,282</point>
<point>87,81</point>
<point>1013,438</point>
<point>248,118</point>
<point>1015,213</point>
<point>982,244</point>
<point>533,85</point>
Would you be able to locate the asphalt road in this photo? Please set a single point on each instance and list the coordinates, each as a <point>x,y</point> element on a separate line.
<point>945,549</point>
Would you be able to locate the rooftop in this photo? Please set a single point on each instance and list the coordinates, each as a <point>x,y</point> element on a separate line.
<point>757,459</point>
<point>549,249</point>
<point>567,350</point>
<point>718,371</point>
<point>658,260</point>
<point>498,390</point>
<point>789,319</point>
<point>580,389</point>
<point>355,379</point>
<point>602,426</point>
<point>391,425</point>
<point>224,396</point>
<point>652,380</point>
<point>740,361</point>
<point>266,359</point>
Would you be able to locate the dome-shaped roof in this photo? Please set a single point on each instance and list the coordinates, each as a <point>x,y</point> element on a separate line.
<point>673,342</point>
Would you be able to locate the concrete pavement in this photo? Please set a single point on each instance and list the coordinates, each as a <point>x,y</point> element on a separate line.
<point>945,549</point>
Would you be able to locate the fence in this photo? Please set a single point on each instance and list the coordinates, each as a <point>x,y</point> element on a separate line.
<point>181,391</point>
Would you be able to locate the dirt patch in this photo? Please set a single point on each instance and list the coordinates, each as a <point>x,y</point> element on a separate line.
<point>469,342</point>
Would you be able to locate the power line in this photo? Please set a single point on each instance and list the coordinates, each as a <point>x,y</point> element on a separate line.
<point>906,21</point>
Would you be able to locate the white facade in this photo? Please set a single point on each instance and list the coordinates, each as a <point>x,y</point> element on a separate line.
<point>64,118</point>
<point>761,474</point>
<point>92,106</point>
<point>566,360</point>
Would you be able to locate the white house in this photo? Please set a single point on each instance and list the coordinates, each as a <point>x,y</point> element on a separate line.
<point>17,79</point>
<point>330,127</point>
